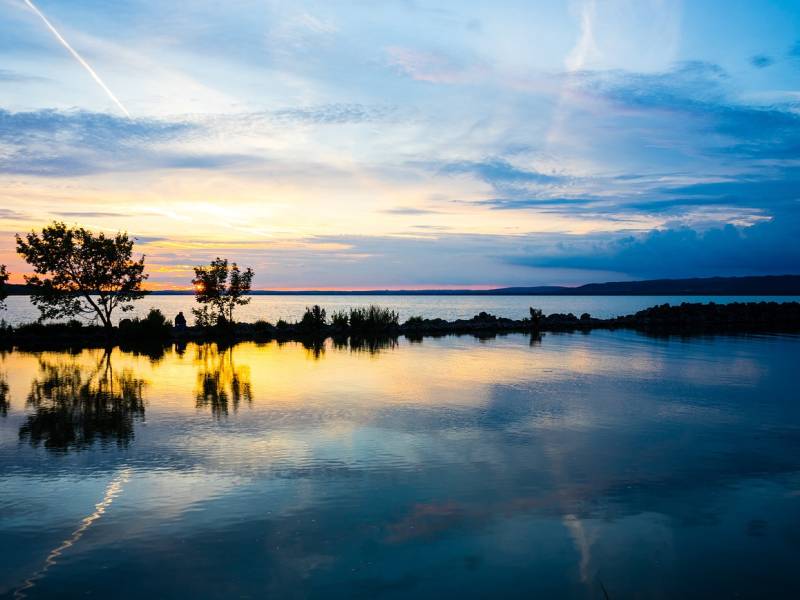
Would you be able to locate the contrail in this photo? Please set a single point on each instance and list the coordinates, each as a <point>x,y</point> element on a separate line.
<point>78,57</point>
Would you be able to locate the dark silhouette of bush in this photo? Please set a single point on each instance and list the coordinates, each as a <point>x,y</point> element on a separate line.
<point>484,317</point>
<point>340,319</point>
<point>281,324</point>
<point>262,326</point>
<point>536,316</point>
<point>414,321</point>
<point>314,319</point>
<point>586,317</point>
<point>154,327</point>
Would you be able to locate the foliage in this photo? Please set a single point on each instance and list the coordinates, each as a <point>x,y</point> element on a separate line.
<point>314,319</point>
<point>153,327</point>
<point>340,319</point>
<point>3,279</point>
<point>220,288</point>
<point>415,320</point>
<point>484,317</point>
<point>372,319</point>
<point>536,315</point>
<point>79,273</point>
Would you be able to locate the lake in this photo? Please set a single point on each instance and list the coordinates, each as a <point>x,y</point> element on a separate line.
<point>291,308</point>
<point>454,467</point>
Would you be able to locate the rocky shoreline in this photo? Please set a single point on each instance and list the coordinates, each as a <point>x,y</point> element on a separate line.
<point>685,319</point>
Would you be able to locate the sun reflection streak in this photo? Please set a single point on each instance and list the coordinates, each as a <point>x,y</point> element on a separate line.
<point>112,491</point>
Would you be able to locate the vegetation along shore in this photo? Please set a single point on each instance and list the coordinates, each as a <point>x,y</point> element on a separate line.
<point>84,280</point>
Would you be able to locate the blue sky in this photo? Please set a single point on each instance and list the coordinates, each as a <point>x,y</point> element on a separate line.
<point>407,143</point>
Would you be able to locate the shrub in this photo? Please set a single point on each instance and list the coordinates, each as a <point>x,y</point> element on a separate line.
<point>313,319</point>
<point>415,320</point>
<point>281,324</point>
<point>340,319</point>
<point>154,326</point>
<point>484,317</point>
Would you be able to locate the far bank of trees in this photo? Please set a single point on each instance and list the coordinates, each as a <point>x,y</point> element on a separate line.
<point>79,273</point>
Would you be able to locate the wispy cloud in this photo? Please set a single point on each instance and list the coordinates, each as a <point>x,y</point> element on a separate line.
<point>762,61</point>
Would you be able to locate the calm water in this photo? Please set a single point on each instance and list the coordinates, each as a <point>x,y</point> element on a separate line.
<point>450,468</point>
<point>291,308</point>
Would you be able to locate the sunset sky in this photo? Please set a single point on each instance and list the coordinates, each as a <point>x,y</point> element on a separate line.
<point>409,143</point>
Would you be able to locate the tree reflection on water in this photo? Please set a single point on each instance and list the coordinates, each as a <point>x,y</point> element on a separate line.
<point>219,381</point>
<point>75,406</point>
<point>3,395</point>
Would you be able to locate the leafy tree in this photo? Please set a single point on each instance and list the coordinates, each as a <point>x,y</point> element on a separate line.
<point>220,288</point>
<point>3,279</point>
<point>79,273</point>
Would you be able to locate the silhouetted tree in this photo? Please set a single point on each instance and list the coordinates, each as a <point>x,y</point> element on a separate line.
<point>220,288</point>
<point>3,291</point>
<point>81,273</point>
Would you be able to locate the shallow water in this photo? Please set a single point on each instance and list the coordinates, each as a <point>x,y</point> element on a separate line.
<point>291,308</point>
<point>453,467</point>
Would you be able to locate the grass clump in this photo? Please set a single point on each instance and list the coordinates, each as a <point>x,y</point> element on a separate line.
<point>373,319</point>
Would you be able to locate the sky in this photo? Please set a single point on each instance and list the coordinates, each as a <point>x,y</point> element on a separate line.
<point>391,144</point>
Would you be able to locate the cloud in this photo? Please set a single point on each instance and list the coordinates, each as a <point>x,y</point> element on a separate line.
<point>82,127</point>
<point>409,210</point>
<point>432,67</point>
<point>13,215</point>
<point>17,77</point>
<point>764,248</point>
<point>506,179</point>
<point>331,114</point>
<point>90,213</point>
<point>762,61</point>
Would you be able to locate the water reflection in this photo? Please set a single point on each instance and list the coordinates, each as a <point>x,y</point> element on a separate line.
<point>73,407</point>
<point>4,400</point>
<point>447,468</point>
<point>113,490</point>
<point>219,381</point>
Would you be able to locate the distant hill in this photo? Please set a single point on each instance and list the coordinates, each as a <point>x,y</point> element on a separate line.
<point>765,285</point>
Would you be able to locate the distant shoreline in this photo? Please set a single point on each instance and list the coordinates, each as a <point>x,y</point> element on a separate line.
<point>762,285</point>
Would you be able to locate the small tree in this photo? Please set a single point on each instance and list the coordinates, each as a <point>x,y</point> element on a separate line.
<point>3,291</point>
<point>220,288</point>
<point>79,273</point>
